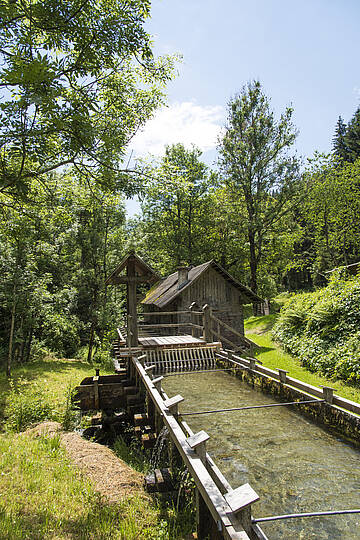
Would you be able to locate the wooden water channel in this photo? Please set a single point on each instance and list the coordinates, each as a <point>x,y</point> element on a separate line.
<point>222,512</point>
<point>147,351</point>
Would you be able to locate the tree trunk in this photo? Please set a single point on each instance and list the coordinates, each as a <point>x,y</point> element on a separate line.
<point>11,337</point>
<point>253,268</point>
<point>91,342</point>
<point>28,345</point>
<point>253,262</point>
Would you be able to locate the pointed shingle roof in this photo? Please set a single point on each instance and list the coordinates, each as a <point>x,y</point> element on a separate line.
<point>167,290</point>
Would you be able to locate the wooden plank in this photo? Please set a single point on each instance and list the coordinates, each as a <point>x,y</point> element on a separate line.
<point>131,303</point>
<point>218,506</point>
<point>146,313</point>
<point>241,497</point>
<point>344,403</point>
<point>168,325</point>
<point>223,338</point>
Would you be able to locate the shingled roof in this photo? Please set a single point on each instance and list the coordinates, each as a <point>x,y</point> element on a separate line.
<point>167,289</point>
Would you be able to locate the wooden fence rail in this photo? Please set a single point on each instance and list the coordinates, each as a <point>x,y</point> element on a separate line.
<point>230,509</point>
<point>281,376</point>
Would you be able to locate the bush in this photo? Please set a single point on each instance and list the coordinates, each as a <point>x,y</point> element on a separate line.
<point>321,328</point>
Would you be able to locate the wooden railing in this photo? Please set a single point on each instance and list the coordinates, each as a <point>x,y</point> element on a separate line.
<point>219,507</point>
<point>281,375</point>
<point>201,324</point>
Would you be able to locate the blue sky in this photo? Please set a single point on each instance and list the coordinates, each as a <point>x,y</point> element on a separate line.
<point>304,53</point>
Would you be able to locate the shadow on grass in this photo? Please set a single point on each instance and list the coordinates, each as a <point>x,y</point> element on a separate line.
<point>32,371</point>
<point>261,350</point>
<point>260,325</point>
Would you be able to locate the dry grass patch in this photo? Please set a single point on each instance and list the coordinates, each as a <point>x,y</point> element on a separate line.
<point>109,475</point>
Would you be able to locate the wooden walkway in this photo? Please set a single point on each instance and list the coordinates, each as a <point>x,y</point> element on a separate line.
<point>170,341</point>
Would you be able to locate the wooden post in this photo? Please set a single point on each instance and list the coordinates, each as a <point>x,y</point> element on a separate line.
<point>240,501</point>
<point>173,404</point>
<point>328,394</point>
<point>204,521</point>
<point>207,323</point>
<point>131,303</point>
<point>96,392</point>
<point>192,307</point>
<point>252,363</point>
<point>282,375</point>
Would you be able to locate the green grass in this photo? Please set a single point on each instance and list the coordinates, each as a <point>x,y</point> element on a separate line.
<point>43,496</point>
<point>258,329</point>
<point>49,378</point>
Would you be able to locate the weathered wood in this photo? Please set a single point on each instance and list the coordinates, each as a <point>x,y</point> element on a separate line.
<point>169,325</point>
<point>207,323</point>
<point>173,404</point>
<point>241,497</point>
<point>328,394</point>
<point>110,396</point>
<point>131,304</point>
<point>124,280</point>
<point>223,338</point>
<point>96,392</point>
<point>283,375</point>
<point>183,312</point>
<point>339,401</point>
<point>104,379</point>
<point>220,510</point>
<point>198,443</point>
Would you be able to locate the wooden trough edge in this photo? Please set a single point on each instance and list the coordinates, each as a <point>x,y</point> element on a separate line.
<point>335,412</point>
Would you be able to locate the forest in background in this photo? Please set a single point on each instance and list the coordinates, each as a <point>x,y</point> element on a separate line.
<point>274,220</point>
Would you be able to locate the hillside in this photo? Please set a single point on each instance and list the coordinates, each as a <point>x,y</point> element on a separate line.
<point>322,328</point>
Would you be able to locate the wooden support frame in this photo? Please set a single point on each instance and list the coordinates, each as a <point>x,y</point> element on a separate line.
<point>229,525</point>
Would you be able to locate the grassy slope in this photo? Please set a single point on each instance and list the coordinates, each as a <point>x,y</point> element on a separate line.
<point>44,496</point>
<point>258,329</point>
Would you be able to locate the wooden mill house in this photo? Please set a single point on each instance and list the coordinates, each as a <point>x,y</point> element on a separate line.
<point>205,284</point>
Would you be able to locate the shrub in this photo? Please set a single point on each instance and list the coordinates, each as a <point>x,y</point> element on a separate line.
<point>321,328</point>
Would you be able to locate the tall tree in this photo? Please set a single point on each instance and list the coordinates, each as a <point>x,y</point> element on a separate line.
<point>352,137</point>
<point>173,206</point>
<point>258,168</point>
<point>339,146</point>
<point>78,80</point>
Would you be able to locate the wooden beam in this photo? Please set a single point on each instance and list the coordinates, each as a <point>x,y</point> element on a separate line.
<point>123,280</point>
<point>207,323</point>
<point>133,340</point>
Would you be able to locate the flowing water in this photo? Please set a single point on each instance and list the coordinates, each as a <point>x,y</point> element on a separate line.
<point>293,464</point>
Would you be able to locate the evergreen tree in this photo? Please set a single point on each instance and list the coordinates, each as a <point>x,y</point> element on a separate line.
<point>352,136</point>
<point>339,146</point>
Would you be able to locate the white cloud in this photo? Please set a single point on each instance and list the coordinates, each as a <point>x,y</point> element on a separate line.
<point>186,123</point>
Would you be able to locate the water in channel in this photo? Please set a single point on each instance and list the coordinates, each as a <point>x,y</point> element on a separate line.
<point>293,464</point>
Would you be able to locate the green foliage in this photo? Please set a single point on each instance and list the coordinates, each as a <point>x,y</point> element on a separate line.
<point>260,173</point>
<point>26,406</point>
<point>69,416</point>
<point>132,453</point>
<point>55,255</point>
<point>259,330</point>
<point>80,79</point>
<point>352,137</point>
<point>322,328</point>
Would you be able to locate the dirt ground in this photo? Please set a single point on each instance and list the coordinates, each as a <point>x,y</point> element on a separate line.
<point>110,476</point>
